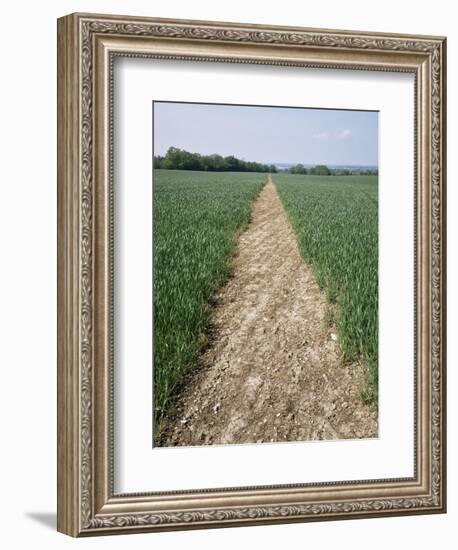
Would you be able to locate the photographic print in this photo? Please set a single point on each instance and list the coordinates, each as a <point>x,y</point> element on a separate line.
<point>265,252</point>
<point>236,293</point>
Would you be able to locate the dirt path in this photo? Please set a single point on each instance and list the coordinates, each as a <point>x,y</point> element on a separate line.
<point>271,372</point>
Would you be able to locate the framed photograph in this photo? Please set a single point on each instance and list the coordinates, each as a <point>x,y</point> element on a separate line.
<point>251,277</point>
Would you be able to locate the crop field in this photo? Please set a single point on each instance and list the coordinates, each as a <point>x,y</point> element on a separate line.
<point>336,223</point>
<point>197,217</point>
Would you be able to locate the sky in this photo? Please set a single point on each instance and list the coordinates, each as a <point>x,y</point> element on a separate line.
<point>268,134</point>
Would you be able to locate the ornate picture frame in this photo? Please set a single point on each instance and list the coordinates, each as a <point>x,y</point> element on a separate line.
<point>87,46</point>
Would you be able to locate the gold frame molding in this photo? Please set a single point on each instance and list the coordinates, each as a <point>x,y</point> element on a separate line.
<point>87,45</point>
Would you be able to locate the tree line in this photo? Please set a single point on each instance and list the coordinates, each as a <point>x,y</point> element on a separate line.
<point>322,170</point>
<point>179,159</point>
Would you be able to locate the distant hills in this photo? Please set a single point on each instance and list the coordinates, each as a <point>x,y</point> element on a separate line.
<point>352,167</point>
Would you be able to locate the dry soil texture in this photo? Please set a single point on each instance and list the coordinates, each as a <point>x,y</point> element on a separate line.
<point>271,371</point>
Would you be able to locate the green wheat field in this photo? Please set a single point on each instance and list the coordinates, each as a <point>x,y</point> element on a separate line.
<point>197,219</point>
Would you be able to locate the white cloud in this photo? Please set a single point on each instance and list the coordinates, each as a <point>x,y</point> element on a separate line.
<point>322,136</point>
<point>339,134</point>
<point>343,134</point>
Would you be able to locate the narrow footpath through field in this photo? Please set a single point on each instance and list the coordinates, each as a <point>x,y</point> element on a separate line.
<point>271,371</point>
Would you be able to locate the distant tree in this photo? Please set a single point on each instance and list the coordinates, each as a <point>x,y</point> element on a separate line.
<point>298,169</point>
<point>340,172</point>
<point>179,159</point>
<point>320,170</point>
<point>232,164</point>
<point>213,163</point>
<point>158,162</point>
<point>173,158</point>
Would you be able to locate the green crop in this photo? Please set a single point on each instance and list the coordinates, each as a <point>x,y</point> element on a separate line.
<point>336,223</point>
<point>197,217</point>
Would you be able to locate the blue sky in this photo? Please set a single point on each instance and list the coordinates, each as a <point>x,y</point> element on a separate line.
<point>268,134</point>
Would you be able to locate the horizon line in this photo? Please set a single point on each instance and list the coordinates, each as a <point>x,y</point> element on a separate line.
<point>305,164</point>
<point>275,163</point>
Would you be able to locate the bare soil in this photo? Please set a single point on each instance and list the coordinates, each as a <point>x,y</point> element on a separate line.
<point>271,371</point>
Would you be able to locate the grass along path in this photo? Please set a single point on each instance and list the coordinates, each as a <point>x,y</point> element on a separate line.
<point>197,217</point>
<point>335,220</point>
<point>272,368</point>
